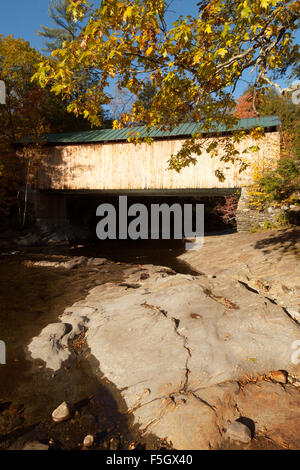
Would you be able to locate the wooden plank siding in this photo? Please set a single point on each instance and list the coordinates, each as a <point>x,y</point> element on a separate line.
<point>126,166</point>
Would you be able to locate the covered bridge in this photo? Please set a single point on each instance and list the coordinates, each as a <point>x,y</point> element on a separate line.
<point>103,162</point>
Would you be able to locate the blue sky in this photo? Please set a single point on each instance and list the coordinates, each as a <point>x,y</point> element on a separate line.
<point>22,19</point>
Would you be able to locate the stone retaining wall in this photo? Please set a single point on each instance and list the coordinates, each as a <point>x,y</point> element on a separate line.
<point>246,217</point>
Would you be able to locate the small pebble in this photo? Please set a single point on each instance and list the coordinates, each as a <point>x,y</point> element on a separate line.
<point>88,441</point>
<point>62,413</point>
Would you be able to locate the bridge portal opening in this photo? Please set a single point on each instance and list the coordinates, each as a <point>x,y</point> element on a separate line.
<point>71,216</point>
<point>219,210</point>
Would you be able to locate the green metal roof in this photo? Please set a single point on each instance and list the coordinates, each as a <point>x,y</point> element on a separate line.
<point>182,130</point>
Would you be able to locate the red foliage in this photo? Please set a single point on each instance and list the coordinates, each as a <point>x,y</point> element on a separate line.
<point>244,108</point>
<point>227,211</point>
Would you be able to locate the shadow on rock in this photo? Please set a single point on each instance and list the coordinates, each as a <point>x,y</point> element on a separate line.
<point>285,240</point>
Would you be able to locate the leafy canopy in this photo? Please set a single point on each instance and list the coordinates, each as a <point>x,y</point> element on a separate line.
<point>194,65</point>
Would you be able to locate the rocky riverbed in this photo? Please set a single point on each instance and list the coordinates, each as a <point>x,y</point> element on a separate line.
<point>199,354</point>
<point>31,298</point>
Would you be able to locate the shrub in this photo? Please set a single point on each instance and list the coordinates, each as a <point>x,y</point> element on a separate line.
<point>227,211</point>
<point>277,186</point>
<point>282,183</point>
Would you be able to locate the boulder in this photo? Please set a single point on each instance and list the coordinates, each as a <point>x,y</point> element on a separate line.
<point>238,431</point>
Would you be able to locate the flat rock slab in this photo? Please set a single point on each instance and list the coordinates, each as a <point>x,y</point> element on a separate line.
<point>170,342</point>
<point>219,333</point>
<point>230,331</point>
<point>267,262</point>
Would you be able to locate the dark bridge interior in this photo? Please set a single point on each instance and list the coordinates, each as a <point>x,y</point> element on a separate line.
<point>81,211</point>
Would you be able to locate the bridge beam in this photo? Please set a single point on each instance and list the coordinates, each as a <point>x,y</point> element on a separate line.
<point>196,193</point>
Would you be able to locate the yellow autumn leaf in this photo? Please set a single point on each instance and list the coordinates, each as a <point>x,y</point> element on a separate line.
<point>148,51</point>
<point>128,13</point>
<point>264,3</point>
<point>196,59</point>
<point>222,52</point>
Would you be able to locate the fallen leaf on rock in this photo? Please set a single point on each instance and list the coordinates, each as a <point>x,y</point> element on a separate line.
<point>226,302</point>
<point>221,300</point>
<point>195,315</point>
<point>280,376</point>
<point>285,445</point>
